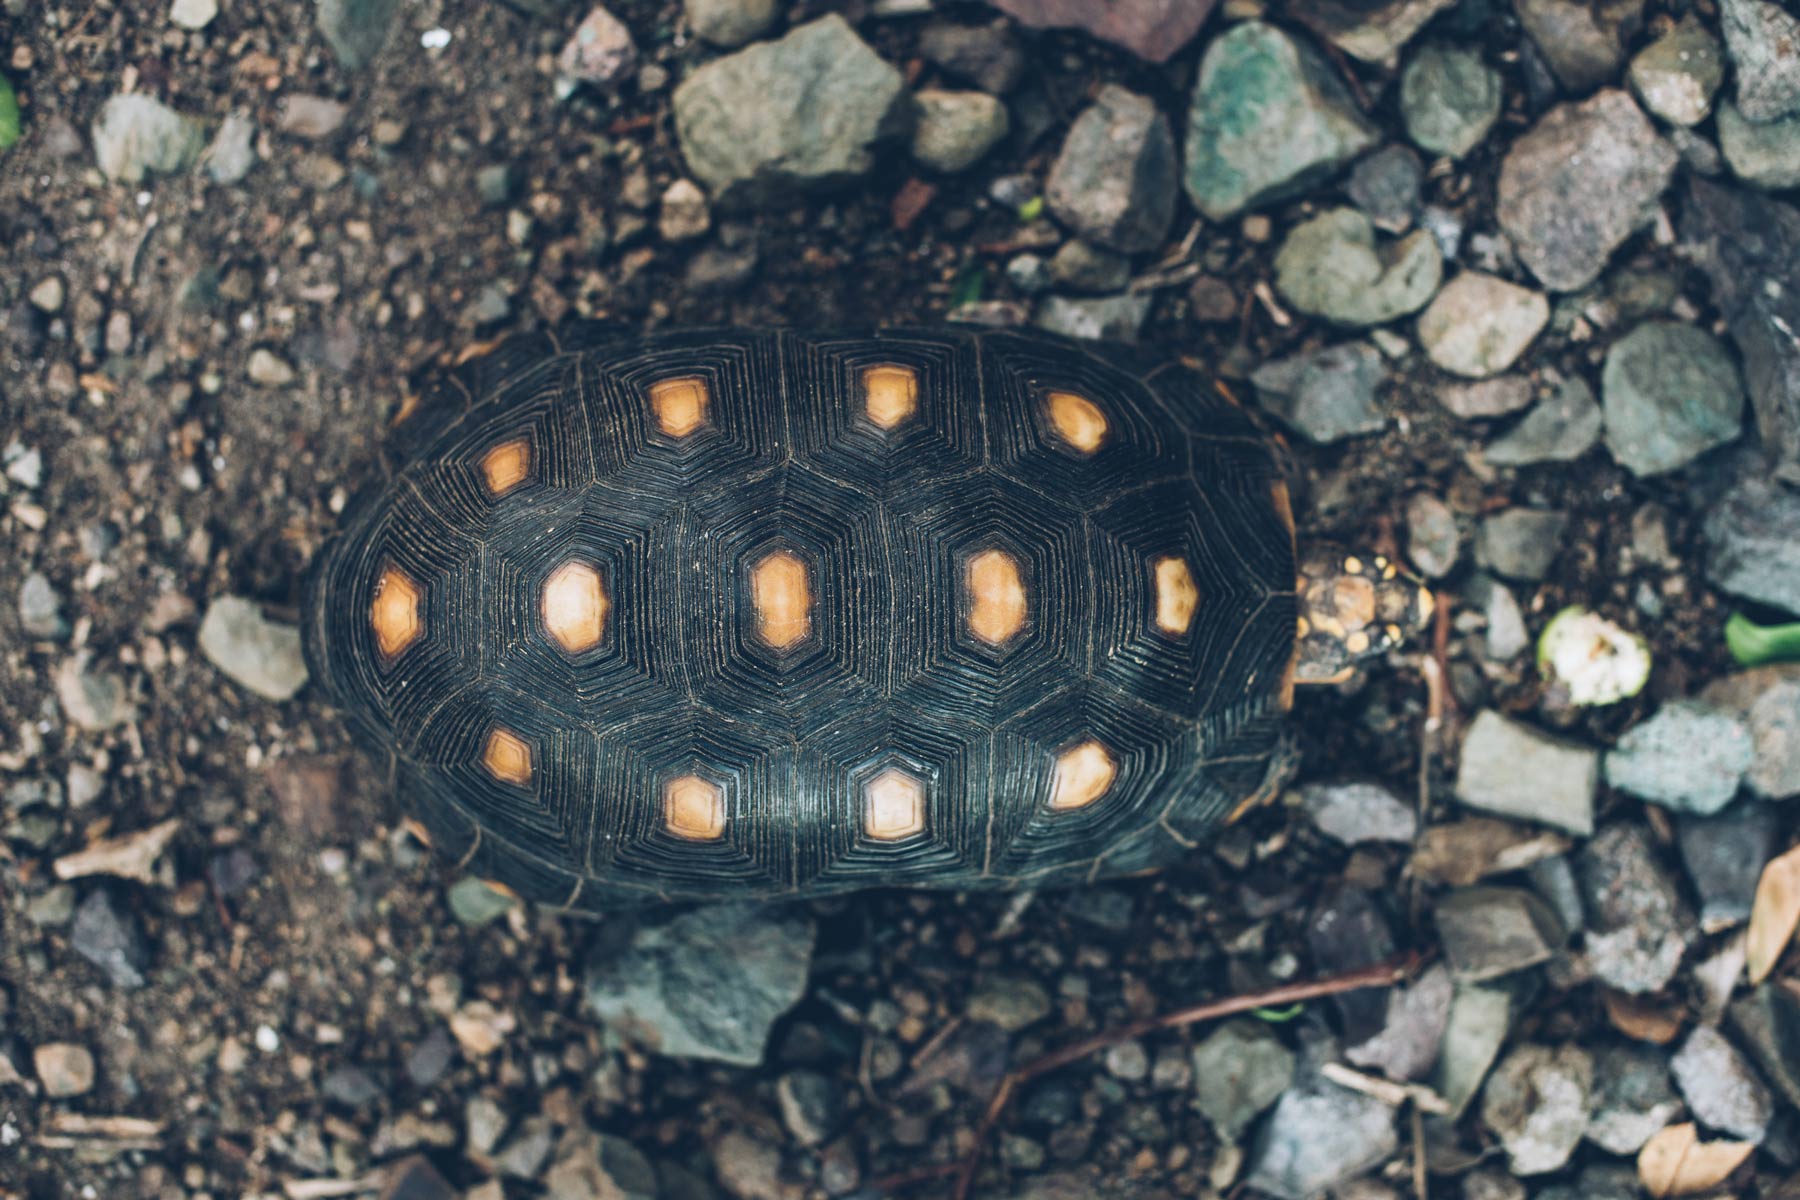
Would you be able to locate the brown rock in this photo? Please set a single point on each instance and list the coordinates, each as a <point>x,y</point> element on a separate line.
<point>1151,29</point>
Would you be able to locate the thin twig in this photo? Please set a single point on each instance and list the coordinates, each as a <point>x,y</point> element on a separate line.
<point>1381,975</point>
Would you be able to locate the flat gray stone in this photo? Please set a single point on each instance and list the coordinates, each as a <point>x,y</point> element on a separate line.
<point>1676,75</point>
<point>1484,399</point>
<point>1761,38</point>
<point>1480,1021</point>
<point>1752,538</point>
<point>1355,813</point>
<point>137,135</point>
<point>1449,98</point>
<point>1327,394</point>
<point>1720,1086</point>
<point>257,653</point>
<point>1489,932</point>
<point>803,113</point>
<point>1105,318</point>
<point>1332,266</point>
<point>1724,856</point>
<point>1113,182</point>
<point>1764,154</point>
<point>1561,428</point>
<point>231,153</point>
<point>1767,1023</point>
<point>1321,1134</point>
<point>953,131</point>
<point>1512,770</point>
<point>1688,756</point>
<point>1269,116</point>
<point>707,983</point>
<point>1538,1102</point>
<point>1520,543</point>
<point>1417,1015</point>
<point>1240,1069</point>
<point>1581,40</point>
<point>1633,1099</point>
<point>1433,541</point>
<point>1479,324</point>
<point>1670,392</point>
<point>731,23</point>
<point>1638,925</point>
<point>1767,699</point>
<point>1584,178</point>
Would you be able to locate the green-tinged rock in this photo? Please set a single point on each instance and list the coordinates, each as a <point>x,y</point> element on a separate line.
<point>356,29</point>
<point>1689,756</point>
<point>1331,267</point>
<point>1268,116</point>
<point>476,902</point>
<point>1671,392</point>
<point>955,129</point>
<point>1449,98</point>
<point>1676,75</point>
<point>137,135</point>
<point>1761,37</point>
<point>1561,428</point>
<point>1766,154</point>
<point>803,113</point>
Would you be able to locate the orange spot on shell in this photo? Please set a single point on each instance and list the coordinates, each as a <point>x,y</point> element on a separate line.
<point>890,394</point>
<point>506,466</point>
<point>680,405</point>
<point>1084,773</point>
<point>694,808</point>
<point>394,611</point>
<point>1177,595</point>
<point>997,602</point>
<point>893,806</point>
<point>1078,421</point>
<point>574,606</point>
<point>507,757</point>
<point>782,596</point>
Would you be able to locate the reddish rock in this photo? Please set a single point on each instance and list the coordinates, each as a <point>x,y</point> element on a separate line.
<point>1151,29</point>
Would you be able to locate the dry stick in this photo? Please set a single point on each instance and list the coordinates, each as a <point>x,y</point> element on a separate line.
<point>1383,974</point>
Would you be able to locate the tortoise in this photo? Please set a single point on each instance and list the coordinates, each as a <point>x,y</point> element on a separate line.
<point>722,614</point>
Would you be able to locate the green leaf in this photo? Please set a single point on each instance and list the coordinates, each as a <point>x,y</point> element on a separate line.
<point>969,285</point>
<point>9,115</point>
<point>1278,1016</point>
<point>1753,645</point>
<point>1031,210</point>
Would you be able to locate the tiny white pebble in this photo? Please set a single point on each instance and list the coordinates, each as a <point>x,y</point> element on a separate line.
<point>267,1040</point>
<point>332,861</point>
<point>143,199</point>
<point>435,39</point>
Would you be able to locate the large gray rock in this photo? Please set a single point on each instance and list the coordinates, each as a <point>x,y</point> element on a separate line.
<point>1268,117</point>
<point>1767,1021</point>
<point>1670,393</point>
<point>1449,98</point>
<point>1480,1019</point>
<point>1114,180</point>
<point>1413,1032</point>
<point>1538,1102</point>
<point>1724,856</point>
<point>1753,543</point>
<point>258,653</point>
<point>1239,1070</point>
<point>1479,324</point>
<point>954,130</point>
<point>1632,1097</point>
<point>1512,770</point>
<point>780,118</point>
<point>1327,394</point>
<point>1767,700</point>
<point>1582,40</point>
<point>1581,181</point>
<point>1689,757</point>
<point>1749,247</point>
<point>1321,1134</point>
<point>1355,813</point>
<point>1763,39</point>
<point>1488,932</point>
<point>356,29</point>
<point>136,135</point>
<point>1638,925</point>
<point>1520,543</point>
<point>1766,154</point>
<point>1332,267</point>
<point>1720,1087</point>
<point>707,983</point>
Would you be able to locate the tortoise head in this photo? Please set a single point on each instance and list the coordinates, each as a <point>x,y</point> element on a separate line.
<point>1352,608</point>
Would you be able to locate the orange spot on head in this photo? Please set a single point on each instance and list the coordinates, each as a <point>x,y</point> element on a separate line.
<point>1078,421</point>
<point>782,596</point>
<point>506,466</point>
<point>1084,773</point>
<point>890,394</point>
<point>394,612</point>
<point>893,806</point>
<point>694,808</point>
<point>507,757</point>
<point>997,603</point>
<point>574,605</point>
<point>680,405</point>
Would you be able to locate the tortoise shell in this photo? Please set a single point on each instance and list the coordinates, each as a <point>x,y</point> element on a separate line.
<point>729,614</point>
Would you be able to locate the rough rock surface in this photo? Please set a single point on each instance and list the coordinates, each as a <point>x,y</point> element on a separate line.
<point>1114,181</point>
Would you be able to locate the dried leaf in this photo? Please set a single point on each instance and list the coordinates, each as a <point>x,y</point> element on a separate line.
<point>1774,914</point>
<point>128,856</point>
<point>1642,1018</point>
<point>1677,1163</point>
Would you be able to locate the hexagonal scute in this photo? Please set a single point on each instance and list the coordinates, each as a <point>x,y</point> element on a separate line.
<point>995,598</point>
<point>394,612</point>
<point>781,593</point>
<point>694,808</point>
<point>574,606</point>
<point>893,806</point>
<point>1084,772</point>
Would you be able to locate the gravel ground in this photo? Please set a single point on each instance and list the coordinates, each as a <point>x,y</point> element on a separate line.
<point>1512,284</point>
